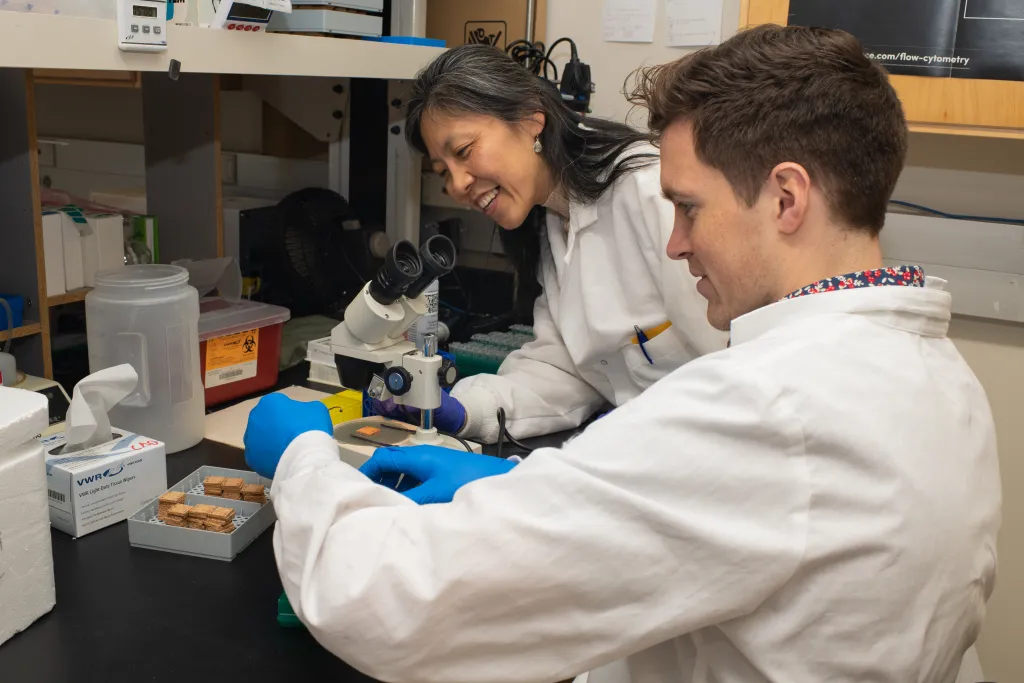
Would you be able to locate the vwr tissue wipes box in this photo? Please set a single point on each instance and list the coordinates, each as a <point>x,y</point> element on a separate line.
<point>26,560</point>
<point>93,488</point>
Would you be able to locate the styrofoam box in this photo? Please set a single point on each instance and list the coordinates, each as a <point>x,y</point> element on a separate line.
<point>251,519</point>
<point>26,559</point>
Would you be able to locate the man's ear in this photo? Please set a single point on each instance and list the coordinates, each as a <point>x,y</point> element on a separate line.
<point>789,190</point>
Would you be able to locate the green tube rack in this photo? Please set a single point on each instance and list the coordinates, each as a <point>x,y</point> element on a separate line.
<point>286,615</point>
<point>485,353</point>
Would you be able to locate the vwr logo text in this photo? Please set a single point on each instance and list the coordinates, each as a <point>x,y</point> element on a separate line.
<point>111,472</point>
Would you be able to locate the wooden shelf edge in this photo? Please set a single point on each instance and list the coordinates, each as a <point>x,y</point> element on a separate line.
<point>71,297</point>
<point>23,331</point>
<point>974,131</point>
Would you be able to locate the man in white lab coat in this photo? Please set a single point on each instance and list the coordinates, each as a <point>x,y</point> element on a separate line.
<point>819,502</point>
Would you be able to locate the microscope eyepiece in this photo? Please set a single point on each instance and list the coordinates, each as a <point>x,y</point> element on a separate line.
<point>401,268</point>
<point>438,257</point>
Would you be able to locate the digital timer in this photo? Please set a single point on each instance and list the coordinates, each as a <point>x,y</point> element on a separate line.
<point>142,25</point>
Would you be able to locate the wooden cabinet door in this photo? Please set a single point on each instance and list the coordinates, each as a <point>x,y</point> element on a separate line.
<point>112,79</point>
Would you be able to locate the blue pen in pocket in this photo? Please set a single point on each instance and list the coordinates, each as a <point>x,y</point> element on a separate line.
<point>641,340</point>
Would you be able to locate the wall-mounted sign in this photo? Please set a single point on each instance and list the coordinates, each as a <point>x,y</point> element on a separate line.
<point>942,38</point>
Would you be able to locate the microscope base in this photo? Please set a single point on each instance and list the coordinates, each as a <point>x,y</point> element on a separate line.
<point>357,448</point>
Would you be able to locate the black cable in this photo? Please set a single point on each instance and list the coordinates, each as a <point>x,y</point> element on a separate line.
<point>955,216</point>
<point>531,56</point>
<point>518,444</point>
<point>547,62</point>
<point>515,43</point>
<point>572,46</point>
<point>465,444</point>
<point>503,435</point>
<point>501,432</point>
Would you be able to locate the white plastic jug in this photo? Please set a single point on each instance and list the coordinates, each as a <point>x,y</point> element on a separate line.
<point>148,316</point>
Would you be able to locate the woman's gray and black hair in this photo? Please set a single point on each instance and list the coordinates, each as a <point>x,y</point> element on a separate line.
<point>584,159</point>
<point>480,79</point>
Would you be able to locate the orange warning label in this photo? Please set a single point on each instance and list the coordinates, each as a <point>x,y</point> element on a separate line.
<point>232,349</point>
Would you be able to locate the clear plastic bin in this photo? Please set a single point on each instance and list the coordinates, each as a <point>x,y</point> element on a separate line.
<point>148,316</point>
<point>239,347</point>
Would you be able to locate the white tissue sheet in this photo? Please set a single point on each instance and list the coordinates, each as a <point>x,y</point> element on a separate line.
<point>26,558</point>
<point>87,422</point>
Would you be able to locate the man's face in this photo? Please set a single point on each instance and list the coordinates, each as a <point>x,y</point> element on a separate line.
<point>723,240</point>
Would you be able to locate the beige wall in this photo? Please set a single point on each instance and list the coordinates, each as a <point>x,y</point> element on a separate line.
<point>988,176</point>
<point>996,352</point>
<point>954,174</point>
<point>612,63</point>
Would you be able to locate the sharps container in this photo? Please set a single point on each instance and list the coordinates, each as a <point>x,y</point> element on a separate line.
<point>148,316</point>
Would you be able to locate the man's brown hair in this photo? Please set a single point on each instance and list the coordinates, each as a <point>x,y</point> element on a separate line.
<point>774,94</point>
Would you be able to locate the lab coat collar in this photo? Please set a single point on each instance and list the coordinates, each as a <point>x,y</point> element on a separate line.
<point>921,310</point>
<point>581,217</point>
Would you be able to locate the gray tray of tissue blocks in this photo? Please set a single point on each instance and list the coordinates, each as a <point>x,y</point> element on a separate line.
<point>251,519</point>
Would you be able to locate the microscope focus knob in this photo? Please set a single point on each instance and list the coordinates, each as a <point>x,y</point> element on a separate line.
<point>448,374</point>
<point>398,380</point>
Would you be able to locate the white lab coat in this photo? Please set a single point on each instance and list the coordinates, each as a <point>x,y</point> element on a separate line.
<point>602,274</point>
<point>819,502</point>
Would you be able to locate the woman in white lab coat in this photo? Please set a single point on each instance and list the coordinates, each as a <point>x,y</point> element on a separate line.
<point>505,144</point>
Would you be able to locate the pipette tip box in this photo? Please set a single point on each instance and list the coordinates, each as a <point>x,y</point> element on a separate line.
<point>145,530</point>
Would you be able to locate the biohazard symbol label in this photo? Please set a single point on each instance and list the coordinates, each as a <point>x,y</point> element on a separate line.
<point>232,358</point>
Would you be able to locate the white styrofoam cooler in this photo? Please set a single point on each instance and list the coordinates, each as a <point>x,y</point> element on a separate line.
<point>26,557</point>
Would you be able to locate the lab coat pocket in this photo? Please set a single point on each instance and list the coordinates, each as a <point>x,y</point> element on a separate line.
<point>667,354</point>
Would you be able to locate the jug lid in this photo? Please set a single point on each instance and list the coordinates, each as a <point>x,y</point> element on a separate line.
<point>143,276</point>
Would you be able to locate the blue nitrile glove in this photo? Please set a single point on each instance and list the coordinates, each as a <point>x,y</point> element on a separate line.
<point>450,417</point>
<point>274,423</point>
<point>432,473</point>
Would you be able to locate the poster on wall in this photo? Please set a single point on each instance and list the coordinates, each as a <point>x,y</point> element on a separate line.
<point>941,38</point>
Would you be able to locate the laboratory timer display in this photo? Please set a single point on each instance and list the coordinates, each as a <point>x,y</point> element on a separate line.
<point>142,25</point>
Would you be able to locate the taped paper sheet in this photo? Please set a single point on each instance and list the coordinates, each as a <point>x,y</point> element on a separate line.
<point>629,21</point>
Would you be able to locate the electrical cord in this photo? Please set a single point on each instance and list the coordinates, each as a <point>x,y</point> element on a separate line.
<point>504,435</point>
<point>465,444</point>
<point>954,216</point>
<point>572,46</point>
<point>532,57</point>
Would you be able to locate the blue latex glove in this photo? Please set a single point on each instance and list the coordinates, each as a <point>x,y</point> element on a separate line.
<point>450,417</point>
<point>432,474</point>
<point>274,423</point>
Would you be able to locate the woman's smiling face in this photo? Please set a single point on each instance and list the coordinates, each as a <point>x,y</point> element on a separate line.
<point>488,164</point>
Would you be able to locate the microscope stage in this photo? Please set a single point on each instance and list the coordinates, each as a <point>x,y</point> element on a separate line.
<point>358,439</point>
